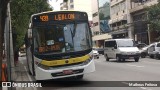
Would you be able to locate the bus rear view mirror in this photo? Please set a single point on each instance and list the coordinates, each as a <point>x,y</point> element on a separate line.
<point>29,33</point>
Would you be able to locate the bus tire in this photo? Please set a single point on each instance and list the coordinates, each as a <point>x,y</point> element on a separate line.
<point>79,76</point>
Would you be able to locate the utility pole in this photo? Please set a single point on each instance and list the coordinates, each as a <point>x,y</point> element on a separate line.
<point>1,44</point>
<point>11,45</point>
<point>7,44</point>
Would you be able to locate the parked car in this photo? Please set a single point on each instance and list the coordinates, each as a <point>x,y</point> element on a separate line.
<point>121,49</point>
<point>95,54</point>
<point>100,50</point>
<point>22,53</point>
<point>141,45</point>
<point>144,51</point>
<point>154,50</point>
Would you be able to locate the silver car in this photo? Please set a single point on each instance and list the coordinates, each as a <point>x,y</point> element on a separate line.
<point>95,54</point>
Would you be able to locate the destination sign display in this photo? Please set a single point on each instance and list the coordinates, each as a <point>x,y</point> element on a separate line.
<point>64,17</point>
<point>60,16</point>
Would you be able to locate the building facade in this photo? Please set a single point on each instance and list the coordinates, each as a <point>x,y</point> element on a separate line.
<point>129,20</point>
<point>120,19</point>
<point>78,5</point>
<point>141,29</point>
<point>99,27</point>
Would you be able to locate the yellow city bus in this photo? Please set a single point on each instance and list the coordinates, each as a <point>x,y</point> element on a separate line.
<point>59,45</point>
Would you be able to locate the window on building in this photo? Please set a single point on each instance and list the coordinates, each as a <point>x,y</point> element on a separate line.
<point>124,22</point>
<point>95,24</point>
<point>118,23</point>
<point>95,14</point>
<point>71,6</point>
<point>114,25</point>
<point>123,6</point>
<point>71,1</point>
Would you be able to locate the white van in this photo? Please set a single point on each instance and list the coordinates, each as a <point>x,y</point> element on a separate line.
<point>154,50</point>
<point>121,49</point>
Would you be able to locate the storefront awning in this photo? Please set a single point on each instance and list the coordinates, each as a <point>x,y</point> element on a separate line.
<point>101,37</point>
<point>119,31</point>
<point>124,17</point>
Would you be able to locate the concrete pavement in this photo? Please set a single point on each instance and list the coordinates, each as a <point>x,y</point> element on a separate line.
<point>145,70</point>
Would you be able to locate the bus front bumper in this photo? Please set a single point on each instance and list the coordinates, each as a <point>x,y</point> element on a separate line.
<point>57,73</point>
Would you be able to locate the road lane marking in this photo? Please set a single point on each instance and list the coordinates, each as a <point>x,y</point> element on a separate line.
<point>151,62</point>
<point>132,65</point>
<point>139,66</point>
<point>143,88</point>
<point>149,89</point>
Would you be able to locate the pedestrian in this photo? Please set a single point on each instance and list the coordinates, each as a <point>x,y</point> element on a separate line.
<point>16,55</point>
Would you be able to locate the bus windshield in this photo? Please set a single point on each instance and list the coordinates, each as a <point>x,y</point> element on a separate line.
<point>62,38</point>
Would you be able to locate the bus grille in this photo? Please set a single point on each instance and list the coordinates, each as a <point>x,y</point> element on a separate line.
<point>62,74</point>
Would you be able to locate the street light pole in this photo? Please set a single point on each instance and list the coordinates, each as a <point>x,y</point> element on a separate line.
<point>7,44</point>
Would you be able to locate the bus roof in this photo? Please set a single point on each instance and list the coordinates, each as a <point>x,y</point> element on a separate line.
<point>55,11</point>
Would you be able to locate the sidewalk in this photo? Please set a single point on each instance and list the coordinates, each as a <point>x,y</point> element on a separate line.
<point>19,73</point>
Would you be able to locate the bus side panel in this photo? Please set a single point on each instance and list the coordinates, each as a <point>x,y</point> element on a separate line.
<point>29,58</point>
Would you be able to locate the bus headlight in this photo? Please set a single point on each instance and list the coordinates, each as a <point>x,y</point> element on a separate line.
<point>88,60</point>
<point>90,56</point>
<point>42,66</point>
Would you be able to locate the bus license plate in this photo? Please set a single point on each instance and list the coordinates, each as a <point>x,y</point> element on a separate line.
<point>67,72</point>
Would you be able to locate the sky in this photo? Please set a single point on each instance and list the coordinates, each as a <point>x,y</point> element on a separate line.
<point>101,2</point>
<point>56,5</point>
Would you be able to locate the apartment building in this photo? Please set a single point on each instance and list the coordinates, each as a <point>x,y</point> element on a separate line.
<point>98,36</point>
<point>120,19</point>
<point>138,13</point>
<point>128,20</point>
<point>78,5</point>
<point>91,7</point>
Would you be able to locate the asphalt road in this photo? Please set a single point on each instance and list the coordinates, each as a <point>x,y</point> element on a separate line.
<point>108,73</point>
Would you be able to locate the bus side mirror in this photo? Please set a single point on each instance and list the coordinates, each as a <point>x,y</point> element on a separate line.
<point>29,33</point>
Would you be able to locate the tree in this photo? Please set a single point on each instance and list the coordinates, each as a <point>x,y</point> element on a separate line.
<point>101,16</point>
<point>154,18</point>
<point>21,10</point>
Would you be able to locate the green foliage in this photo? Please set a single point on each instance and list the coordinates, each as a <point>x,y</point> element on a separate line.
<point>21,10</point>
<point>154,17</point>
<point>101,16</point>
